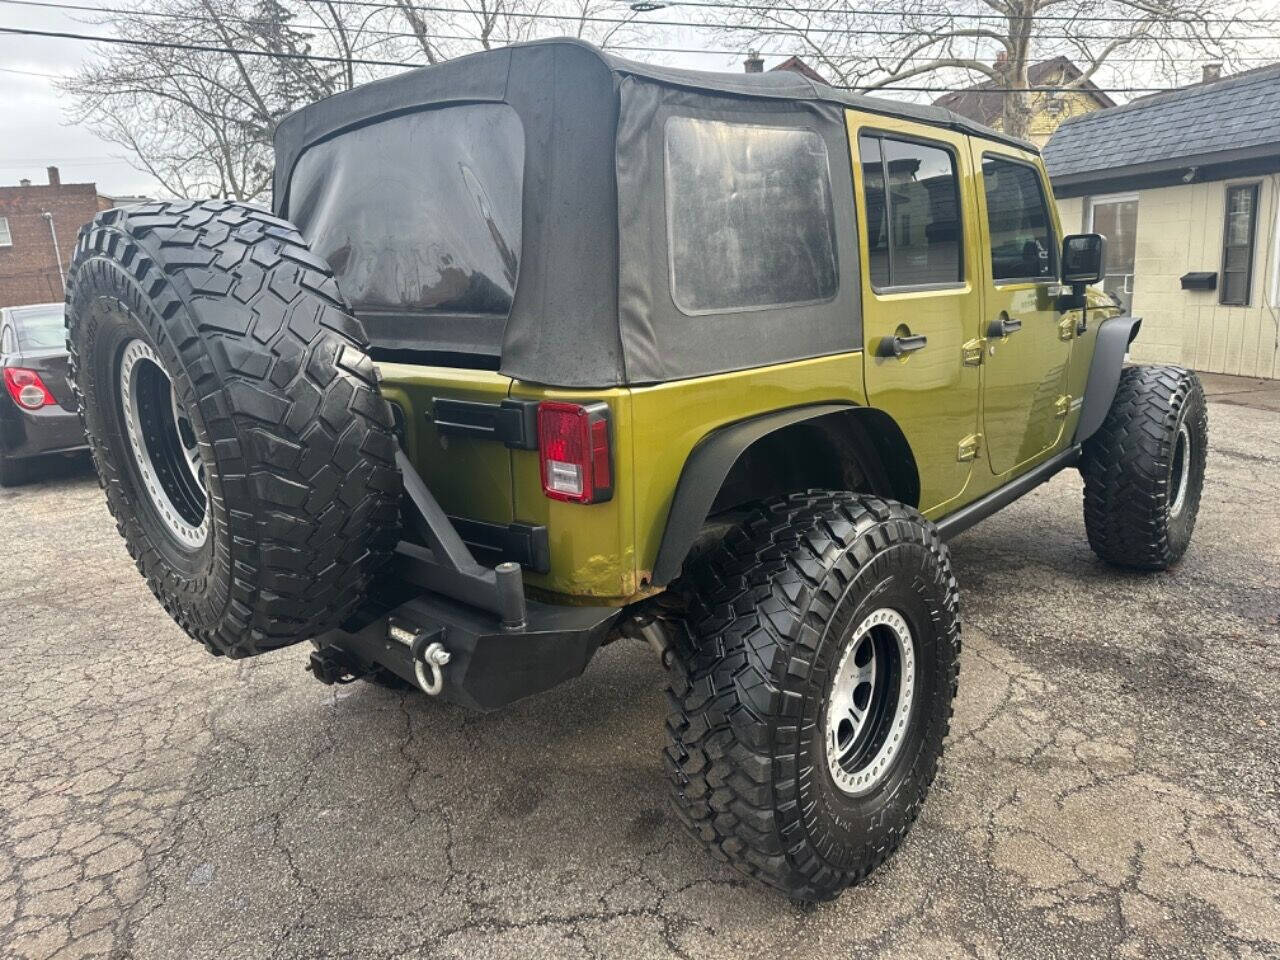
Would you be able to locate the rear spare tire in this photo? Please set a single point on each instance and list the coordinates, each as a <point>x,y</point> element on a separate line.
<point>234,419</point>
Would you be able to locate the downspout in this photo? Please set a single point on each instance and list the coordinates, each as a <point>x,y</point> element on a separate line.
<point>53,232</point>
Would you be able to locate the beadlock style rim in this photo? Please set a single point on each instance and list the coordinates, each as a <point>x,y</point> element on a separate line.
<point>1180,476</point>
<point>869,707</point>
<point>164,445</point>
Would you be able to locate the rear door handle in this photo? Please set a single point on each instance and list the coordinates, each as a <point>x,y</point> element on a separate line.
<point>1003,325</point>
<point>900,346</point>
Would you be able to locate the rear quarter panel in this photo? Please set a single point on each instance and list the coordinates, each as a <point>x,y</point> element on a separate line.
<point>605,552</point>
<point>470,478</point>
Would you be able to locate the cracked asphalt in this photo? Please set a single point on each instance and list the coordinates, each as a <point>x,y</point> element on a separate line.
<point>1110,786</point>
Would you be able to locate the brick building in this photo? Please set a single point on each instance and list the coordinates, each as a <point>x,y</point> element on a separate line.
<point>30,217</point>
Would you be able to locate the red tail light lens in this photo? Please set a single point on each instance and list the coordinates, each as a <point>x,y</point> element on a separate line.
<point>26,388</point>
<point>574,444</point>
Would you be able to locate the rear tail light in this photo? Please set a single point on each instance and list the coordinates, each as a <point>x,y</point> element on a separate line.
<point>26,388</point>
<point>574,444</point>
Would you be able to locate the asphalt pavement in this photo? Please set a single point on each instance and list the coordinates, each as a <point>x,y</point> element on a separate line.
<point>1111,786</point>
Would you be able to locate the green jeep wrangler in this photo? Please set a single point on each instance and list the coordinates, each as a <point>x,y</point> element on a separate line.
<point>541,348</point>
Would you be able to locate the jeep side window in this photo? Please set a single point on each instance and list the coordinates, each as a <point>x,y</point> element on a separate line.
<point>913,227</point>
<point>750,221</point>
<point>1022,244</point>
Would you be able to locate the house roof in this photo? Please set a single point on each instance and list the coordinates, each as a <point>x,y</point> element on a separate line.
<point>986,107</point>
<point>796,65</point>
<point>1236,118</point>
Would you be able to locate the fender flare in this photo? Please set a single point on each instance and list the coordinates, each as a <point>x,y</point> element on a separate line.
<point>1111,344</point>
<point>704,473</point>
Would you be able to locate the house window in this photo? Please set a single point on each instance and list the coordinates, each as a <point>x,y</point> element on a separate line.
<point>1116,217</point>
<point>912,203</point>
<point>1022,242</point>
<point>6,239</point>
<point>750,221</point>
<point>1238,235</point>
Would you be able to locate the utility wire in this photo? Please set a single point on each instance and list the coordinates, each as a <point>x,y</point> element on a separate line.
<point>587,18</point>
<point>404,35</point>
<point>836,10</point>
<point>201,48</point>
<point>227,18</point>
<point>277,55</point>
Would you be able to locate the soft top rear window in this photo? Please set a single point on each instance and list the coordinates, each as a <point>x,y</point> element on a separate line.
<point>419,216</point>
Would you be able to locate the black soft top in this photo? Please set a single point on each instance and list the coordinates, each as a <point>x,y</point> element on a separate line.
<point>591,306</point>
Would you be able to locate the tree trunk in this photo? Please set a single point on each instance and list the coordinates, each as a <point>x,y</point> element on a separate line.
<point>1017,100</point>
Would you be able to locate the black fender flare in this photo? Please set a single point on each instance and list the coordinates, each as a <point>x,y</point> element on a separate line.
<point>704,473</point>
<point>1109,347</point>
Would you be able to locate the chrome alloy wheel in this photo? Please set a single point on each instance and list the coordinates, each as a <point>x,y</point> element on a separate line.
<point>164,445</point>
<point>1180,471</point>
<point>870,702</point>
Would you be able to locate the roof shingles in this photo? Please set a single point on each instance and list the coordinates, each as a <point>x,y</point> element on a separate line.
<point>1194,124</point>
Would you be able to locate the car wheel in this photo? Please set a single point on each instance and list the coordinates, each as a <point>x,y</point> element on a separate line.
<point>813,688</point>
<point>234,419</point>
<point>1144,469</point>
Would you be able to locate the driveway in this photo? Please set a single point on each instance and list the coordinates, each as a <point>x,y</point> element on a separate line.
<point>1109,787</point>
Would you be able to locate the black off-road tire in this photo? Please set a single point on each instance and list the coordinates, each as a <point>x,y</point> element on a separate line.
<point>294,439</point>
<point>771,612</point>
<point>1134,468</point>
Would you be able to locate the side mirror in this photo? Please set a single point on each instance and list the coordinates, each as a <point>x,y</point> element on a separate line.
<point>1083,258</point>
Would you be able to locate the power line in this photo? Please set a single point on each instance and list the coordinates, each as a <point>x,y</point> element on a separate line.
<point>204,18</point>
<point>1066,18</point>
<point>276,55</point>
<point>32,73</point>
<point>404,35</point>
<point>201,48</point>
<point>759,30</point>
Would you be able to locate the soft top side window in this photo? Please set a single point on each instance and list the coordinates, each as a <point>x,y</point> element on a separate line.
<point>750,223</point>
<point>1018,221</point>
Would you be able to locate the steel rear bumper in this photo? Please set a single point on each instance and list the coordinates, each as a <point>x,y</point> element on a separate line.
<point>488,666</point>
<point>455,628</point>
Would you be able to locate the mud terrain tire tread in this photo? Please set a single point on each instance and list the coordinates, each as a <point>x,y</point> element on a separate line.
<point>1126,468</point>
<point>756,604</point>
<point>296,439</point>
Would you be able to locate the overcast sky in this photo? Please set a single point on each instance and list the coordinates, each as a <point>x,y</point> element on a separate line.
<point>33,129</point>
<point>34,133</point>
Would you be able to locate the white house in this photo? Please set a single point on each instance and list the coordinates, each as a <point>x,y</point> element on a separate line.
<point>1185,186</point>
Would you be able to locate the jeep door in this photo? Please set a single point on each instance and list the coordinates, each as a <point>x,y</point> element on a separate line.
<point>921,292</point>
<point>1027,349</point>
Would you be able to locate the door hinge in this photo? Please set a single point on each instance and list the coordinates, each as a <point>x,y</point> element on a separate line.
<point>1067,328</point>
<point>969,447</point>
<point>972,352</point>
<point>1062,406</point>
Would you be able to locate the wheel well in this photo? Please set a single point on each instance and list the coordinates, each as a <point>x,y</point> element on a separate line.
<point>860,449</point>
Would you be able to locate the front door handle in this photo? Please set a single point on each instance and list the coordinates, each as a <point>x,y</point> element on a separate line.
<point>900,346</point>
<point>1003,325</point>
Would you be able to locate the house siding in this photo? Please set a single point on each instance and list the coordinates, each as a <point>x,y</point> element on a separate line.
<point>1180,229</point>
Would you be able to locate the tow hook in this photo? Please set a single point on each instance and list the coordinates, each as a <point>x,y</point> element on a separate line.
<point>427,653</point>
